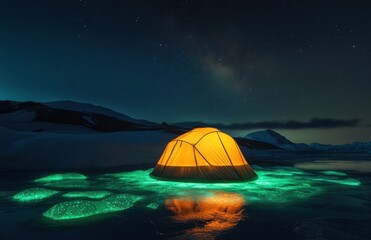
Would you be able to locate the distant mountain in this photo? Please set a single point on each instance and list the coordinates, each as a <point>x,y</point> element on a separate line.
<point>90,108</point>
<point>256,145</point>
<point>67,116</point>
<point>74,117</point>
<point>280,142</point>
<point>271,137</point>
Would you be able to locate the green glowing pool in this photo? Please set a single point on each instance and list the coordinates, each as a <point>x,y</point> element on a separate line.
<point>113,192</point>
<point>279,185</point>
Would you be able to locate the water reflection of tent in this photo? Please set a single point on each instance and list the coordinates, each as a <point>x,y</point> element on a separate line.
<point>203,154</point>
<point>217,213</point>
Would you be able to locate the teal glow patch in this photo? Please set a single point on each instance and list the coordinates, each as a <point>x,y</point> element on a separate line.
<point>85,208</point>
<point>87,194</point>
<point>34,194</point>
<point>348,181</point>
<point>152,206</point>
<point>61,176</point>
<point>72,209</point>
<point>274,185</point>
<point>68,183</point>
<point>334,173</point>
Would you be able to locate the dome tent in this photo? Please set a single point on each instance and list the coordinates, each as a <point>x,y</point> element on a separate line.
<point>203,154</point>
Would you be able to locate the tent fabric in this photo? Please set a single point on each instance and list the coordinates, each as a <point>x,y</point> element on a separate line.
<point>203,154</point>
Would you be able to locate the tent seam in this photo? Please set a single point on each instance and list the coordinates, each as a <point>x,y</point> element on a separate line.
<point>171,153</point>
<point>225,150</point>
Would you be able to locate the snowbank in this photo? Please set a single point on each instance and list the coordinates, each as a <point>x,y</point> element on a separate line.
<point>45,150</point>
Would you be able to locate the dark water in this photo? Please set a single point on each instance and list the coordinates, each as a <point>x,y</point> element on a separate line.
<point>284,203</point>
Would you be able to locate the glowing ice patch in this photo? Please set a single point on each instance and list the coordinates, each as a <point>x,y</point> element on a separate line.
<point>72,209</point>
<point>118,202</point>
<point>275,184</point>
<point>348,181</point>
<point>68,183</point>
<point>152,206</point>
<point>85,208</point>
<point>87,194</point>
<point>336,173</point>
<point>61,176</point>
<point>34,194</point>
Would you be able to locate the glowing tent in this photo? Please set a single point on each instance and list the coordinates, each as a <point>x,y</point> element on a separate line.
<point>203,154</point>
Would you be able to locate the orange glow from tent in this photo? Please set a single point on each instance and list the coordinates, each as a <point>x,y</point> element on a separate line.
<point>218,212</point>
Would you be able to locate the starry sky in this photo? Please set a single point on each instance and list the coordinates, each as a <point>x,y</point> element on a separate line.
<point>301,68</point>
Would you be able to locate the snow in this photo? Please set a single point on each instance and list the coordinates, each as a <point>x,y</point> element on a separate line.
<point>89,120</point>
<point>269,136</point>
<point>78,118</point>
<point>45,150</point>
<point>18,116</point>
<point>23,120</point>
<point>45,127</point>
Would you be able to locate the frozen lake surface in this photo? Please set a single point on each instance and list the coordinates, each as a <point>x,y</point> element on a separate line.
<point>302,202</point>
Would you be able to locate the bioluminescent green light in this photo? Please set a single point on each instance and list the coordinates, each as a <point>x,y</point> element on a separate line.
<point>279,185</point>
<point>85,208</point>
<point>274,185</point>
<point>72,209</point>
<point>68,183</point>
<point>336,173</point>
<point>87,194</point>
<point>62,176</point>
<point>152,206</point>
<point>118,202</point>
<point>34,194</point>
<point>347,181</point>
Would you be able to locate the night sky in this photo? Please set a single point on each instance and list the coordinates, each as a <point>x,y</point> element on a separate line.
<point>303,69</point>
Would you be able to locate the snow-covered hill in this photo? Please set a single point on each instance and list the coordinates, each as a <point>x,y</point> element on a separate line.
<point>90,108</point>
<point>66,135</point>
<point>279,141</point>
<point>67,116</point>
<point>273,138</point>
